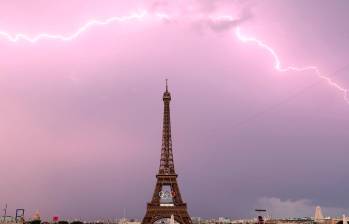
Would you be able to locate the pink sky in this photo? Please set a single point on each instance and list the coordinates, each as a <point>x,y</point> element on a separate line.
<point>81,122</point>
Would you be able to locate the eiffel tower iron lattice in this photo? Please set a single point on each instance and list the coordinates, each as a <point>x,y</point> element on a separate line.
<point>167,199</point>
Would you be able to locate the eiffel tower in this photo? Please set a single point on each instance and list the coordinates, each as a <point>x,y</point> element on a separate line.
<point>167,199</point>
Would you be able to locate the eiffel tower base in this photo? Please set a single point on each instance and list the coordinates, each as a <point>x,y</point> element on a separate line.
<point>155,213</point>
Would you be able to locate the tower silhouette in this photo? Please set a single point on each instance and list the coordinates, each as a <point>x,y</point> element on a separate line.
<point>167,199</point>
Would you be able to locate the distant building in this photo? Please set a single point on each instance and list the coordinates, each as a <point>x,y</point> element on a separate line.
<point>224,220</point>
<point>36,215</point>
<point>318,217</point>
<point>128,221</point>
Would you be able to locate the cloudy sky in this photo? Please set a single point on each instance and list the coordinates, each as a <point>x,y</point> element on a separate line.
<point>80,132</point>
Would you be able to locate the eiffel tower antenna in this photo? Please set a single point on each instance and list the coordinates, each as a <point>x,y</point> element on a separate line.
<point>167,199</point>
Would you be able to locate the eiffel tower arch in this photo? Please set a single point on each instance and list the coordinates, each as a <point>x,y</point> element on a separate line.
<point>166,200</point>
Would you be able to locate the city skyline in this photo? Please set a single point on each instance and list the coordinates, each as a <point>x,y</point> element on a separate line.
<point>81,119</point>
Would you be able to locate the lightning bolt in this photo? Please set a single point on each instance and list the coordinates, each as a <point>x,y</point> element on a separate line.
<point>278,67</point>
<point>163,16</point>
<point>77,33</point>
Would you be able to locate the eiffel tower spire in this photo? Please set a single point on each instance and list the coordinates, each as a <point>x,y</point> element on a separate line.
<point>166,161</point>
